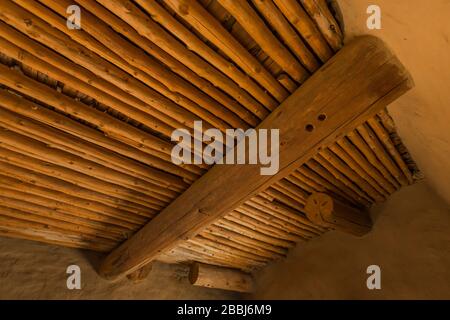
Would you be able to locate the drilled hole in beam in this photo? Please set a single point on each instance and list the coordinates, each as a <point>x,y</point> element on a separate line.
<point>322,117</point>
<point>309,127</point>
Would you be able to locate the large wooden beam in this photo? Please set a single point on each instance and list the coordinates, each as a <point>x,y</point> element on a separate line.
<point>359,81</point>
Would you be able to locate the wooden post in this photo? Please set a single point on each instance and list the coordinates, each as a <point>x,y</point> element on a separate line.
<point>210,276</point>
<point>359,81</point>
<point>329,213</point>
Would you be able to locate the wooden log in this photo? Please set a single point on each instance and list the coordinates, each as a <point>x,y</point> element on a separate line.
<point>283,194</point>
<point>287,82</point>
<point>88,151</point>
<point>141,65</point>
<point>269,219</point>
<point>306,27</point>
<point>357,168</point>
<point>151,30</point>
<point>358,157</point>
<point>299,192</point>
<point>243,247</point>
<point>108,124</point>
<point>384,137</point>
<point>70,211</point>
<point>373,142</point>
<point>74,79</point>
<point>279,22</point>
<point>360,80</point>
<point>387,121</point>
<point>370,155</point>
<point>350,173</point>
<point>42,32</point>
<point>198,17</point>
<point>339,178</point>
<point>217,255</point>
<point>62,69</point>
<point>288,200</point>
<point>388,125</point>
<point>305,182</point>
<point>254,243</point>
<point>300,184</point>
<point>97,210</point>
<point>65,159</point>
<point>253,233</point>
<point>215,252</point>
<point>329,213</point>
<point>256,225</point>
<point>17,228</point>
<point>258,30</point>
<point>176,66</point>
<point>51,118</point>
<point>163,17</point>
<point>184,253</point>
<point>231,249</point>
<point>131,212</point>
<point>220,278</point>
<point>43,215</point>
<point>318,10</point>
<point>335,180</point>
<point>19,158</point>
<point>283,213</point>
<point>320,183</point>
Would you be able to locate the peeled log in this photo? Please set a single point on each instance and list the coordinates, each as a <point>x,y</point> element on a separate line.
<point>323,210</point>
<point>210,276</point>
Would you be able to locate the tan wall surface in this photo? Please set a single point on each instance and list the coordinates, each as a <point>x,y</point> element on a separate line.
<point>410,242</point>
<point>418,31</point>
<point>31,270</point>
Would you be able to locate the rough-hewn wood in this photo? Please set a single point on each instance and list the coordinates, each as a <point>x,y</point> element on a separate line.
<point>319,12</point>
<point>209,276</point>
<point>295,13</point>
<point>279,22</point>
<point>360,80</point>
<point>257,29</point>
<point>145,64</point>
<point>151,30</point>
<point>327,212</point>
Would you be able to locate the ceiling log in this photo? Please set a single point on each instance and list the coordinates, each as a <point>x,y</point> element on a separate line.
<point>326,212</point>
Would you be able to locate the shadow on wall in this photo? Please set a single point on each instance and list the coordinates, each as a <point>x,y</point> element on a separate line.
<point>410,242</point>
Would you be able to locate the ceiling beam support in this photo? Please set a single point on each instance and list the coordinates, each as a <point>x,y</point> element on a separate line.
<point>359,81</point>
<point>327,212</point>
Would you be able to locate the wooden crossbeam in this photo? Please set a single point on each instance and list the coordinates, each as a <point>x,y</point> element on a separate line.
<point>327,212</point>
<point>359,81</point>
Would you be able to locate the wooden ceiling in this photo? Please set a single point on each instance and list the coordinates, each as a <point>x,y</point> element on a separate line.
<point>86,117</point>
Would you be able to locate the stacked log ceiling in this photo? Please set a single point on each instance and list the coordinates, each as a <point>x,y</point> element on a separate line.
<point>86,118</point>
<point>359,81</point>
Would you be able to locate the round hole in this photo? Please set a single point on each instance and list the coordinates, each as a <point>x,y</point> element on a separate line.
<point>322,117</point>
<point>309,127</point>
